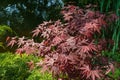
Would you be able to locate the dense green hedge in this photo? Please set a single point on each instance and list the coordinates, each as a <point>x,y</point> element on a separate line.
<point>14,67</point>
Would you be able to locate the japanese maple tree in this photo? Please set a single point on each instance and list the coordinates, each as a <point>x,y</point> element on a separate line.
<point>68,46</point>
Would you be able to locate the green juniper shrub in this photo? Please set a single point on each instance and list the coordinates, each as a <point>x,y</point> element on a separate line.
<point>15,67</point>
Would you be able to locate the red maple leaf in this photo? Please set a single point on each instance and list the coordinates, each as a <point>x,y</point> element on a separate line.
<point>90,74</point>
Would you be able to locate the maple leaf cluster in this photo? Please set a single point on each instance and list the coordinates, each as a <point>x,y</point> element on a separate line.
<point>68,47</point>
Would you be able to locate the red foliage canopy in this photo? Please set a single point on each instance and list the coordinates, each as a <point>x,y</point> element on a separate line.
<point>69,47</point>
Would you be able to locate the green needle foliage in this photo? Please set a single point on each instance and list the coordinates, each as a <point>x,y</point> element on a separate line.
<point>14,67</point>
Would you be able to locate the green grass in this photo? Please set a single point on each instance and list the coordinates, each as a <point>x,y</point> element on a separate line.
<point>14,67</point>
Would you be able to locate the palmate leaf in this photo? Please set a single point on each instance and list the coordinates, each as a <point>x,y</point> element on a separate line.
<point>56,40</point>
<point>90,74</point>
<point>92,26</point>
<point>30,65</point>
<point>21,41</point>
<point>88,48</point>
<point>68,16</point>
<point>19,50</point>
<point>90,14</point>
<point>111,68</point>
<point>36,32</point>
<point>12,42</point>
